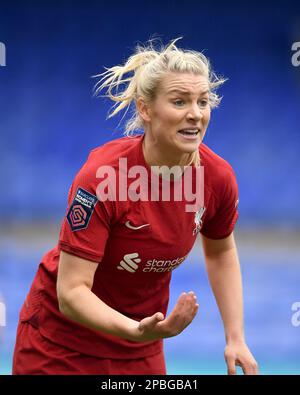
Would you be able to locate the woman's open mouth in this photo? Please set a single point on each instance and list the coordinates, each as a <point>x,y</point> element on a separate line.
<point>189,134</point>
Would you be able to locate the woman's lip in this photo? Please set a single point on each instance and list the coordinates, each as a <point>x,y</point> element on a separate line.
<point>189,130</point>
<point>189,136</point>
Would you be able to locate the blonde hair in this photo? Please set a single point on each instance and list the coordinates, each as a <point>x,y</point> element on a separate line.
<point>147,67</point>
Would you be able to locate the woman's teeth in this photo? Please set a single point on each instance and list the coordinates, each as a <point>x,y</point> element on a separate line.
<point>188,132</point>
<point>193,132</point>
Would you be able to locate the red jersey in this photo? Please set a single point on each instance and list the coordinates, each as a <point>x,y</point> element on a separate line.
<point>137,244</point>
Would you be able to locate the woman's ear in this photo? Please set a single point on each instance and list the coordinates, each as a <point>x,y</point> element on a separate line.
<point>143,109</point>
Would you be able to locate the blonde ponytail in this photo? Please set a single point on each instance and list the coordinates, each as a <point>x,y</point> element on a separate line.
<point>113,78</point>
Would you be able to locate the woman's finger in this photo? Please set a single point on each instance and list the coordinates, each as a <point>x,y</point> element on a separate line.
<point>149,323</point>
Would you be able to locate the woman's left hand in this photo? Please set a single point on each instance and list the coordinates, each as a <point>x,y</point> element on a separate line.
<point>237,353</point>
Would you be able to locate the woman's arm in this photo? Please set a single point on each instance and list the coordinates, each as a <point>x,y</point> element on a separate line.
<point>80,304</point>
<point>224,274</point>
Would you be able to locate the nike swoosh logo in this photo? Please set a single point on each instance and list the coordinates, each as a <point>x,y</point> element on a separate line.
<point>127,223</point>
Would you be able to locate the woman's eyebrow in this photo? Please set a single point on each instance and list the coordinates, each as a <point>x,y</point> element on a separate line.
<point>184,92</point>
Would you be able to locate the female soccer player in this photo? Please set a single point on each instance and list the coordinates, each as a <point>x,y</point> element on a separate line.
<point>99,299</point>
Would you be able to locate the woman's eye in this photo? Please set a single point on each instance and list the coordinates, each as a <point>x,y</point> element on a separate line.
<point>203,103</point>
<point>178,102</point>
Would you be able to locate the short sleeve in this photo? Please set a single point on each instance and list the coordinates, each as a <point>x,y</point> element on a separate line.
<point>222,222</point>
<point>86,225</point>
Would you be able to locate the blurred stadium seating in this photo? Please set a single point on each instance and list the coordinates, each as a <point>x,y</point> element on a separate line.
<point>49,121</point>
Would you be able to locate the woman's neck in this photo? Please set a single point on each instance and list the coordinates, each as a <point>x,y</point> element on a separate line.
<point>154,156</point>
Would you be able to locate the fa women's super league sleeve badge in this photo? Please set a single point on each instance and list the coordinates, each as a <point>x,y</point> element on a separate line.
<point>198,220</point>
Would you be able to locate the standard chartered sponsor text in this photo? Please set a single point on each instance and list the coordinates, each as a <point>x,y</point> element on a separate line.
<point>160,266</point>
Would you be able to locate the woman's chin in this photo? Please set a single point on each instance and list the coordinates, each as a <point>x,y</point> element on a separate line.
<point>188,144</point>
<point>190,147</point>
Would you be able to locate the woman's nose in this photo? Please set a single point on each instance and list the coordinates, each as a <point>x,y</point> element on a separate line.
<point>195,113</point>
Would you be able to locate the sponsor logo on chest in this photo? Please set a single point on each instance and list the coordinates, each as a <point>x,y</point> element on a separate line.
<point>130,263</point>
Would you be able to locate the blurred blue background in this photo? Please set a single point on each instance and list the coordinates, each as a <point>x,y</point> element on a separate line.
<point>49,121</point>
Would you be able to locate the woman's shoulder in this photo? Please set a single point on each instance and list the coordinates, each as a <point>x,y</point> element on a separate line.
<point>109,153</point>
<point>218,173</point>
<point>219,178</point>
<point>214,163</point>
<point>106,156</point>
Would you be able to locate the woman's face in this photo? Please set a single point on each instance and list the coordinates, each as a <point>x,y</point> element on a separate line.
<point>177,119</point>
